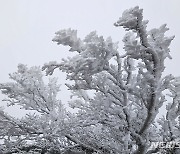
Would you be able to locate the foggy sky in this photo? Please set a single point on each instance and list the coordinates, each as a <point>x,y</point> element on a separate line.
<point>28,26</point>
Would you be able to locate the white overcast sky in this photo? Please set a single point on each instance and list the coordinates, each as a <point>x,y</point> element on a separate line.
<point>28,26</point>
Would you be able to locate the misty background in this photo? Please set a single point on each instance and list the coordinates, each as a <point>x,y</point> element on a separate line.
<point>27,29</point>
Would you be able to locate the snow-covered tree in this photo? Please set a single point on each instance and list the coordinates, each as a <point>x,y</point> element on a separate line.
<point>117,94</point>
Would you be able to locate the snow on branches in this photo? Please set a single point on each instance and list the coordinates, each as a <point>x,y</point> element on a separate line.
<point>94,54</point>
<point>118,96</point>
<point>29,90</point>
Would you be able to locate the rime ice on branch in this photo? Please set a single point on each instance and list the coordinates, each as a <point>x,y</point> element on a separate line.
<point>118,96</point>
